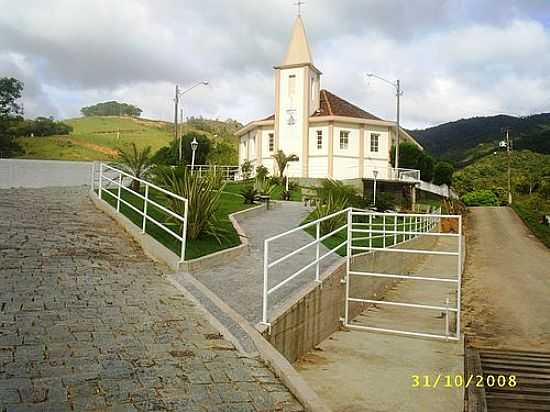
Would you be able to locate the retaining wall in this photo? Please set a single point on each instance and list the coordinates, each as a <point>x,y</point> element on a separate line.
<point>43,173</point>
<point>317,309</point>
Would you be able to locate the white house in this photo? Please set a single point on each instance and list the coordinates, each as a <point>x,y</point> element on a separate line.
<point>332,137</point>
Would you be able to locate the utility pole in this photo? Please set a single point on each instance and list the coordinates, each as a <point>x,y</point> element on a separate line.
<point>398,87</point>
<point>176,102</point>
<point>508,152</point>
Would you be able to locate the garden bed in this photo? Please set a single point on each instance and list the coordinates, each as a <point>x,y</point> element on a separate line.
<point>204,245</point>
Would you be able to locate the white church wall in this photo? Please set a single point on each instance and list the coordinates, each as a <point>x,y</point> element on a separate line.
<point>353,140</point>
<point>381,165</point>
<point>265,132</point>
<point>346,167</point>
<point>384,144</point>
<point>313,148</point>
<point>318,167</point>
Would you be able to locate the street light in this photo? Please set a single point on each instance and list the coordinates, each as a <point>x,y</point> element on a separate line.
<point>398,94</point>
<point>180,93</point>
<point>375,174</point>
<point>194,146</point>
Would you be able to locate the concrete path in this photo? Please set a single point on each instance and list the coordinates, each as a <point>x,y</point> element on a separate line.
<point>87,322</point>
<point>367,371</point>
<point>239,283</point>
<point>506,282</point>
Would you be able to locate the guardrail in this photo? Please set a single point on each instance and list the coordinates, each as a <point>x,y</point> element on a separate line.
<point>380,231</point>
<point>112,178</point>
<point>318,258</point>
<point>229,172</point>
<point>414,225</point>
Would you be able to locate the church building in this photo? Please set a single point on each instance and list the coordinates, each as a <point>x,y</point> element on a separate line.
<point>331,137</point>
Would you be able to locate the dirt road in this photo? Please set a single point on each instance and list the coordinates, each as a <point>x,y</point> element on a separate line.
<point>506,282</point>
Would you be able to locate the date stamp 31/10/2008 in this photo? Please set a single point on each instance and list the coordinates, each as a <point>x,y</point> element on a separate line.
<point>461,381</point>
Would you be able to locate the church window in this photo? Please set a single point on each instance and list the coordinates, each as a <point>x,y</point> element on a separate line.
<point>271,142</point>
<point>374,142</point>
<point>344,139</point>
<point>319,139</point>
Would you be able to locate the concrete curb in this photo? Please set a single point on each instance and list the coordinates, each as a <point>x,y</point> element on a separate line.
<point>282,368</point>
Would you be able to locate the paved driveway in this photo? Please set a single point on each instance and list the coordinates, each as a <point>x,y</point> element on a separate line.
<point>87,322</point>
<point>239,282</point>
<point>506,282</point>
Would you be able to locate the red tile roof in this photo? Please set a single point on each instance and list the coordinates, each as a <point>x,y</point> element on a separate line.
<point>332,105</point>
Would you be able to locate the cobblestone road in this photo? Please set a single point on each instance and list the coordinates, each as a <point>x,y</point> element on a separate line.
<point>87,322</point>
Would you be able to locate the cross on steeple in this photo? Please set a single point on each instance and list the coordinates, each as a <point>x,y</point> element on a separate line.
<point>299,3</point>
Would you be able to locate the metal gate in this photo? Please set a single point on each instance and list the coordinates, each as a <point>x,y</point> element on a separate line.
<point>392,233</point>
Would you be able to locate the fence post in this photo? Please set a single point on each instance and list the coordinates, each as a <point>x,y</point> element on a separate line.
<point>318,251</point>
<point>184,232</point>
<point>459,265</point>
<point>370,231</point>
<point>395,229</point>
<point>118,193</point>
<point>447,317</point>
<point>384,231</point>
<point>100,178</point>
<point>264,303</point>
<point>348,265</point>
<point>145,208</point>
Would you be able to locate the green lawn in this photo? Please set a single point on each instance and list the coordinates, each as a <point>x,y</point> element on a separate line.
<point>58,148</point>
<point>533,220</point>
<point>361,223</point>
<point>195,248</point>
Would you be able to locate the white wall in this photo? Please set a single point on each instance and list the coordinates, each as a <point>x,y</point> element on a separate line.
<point>291,136</point>
<point>353,145</point>
<point>44,173</point>
<point>318,167</point>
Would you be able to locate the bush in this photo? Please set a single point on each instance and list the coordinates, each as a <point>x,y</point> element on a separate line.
<point>384,201</point>
<point>443,173</point>
<point>203,197</point>
<point>246,169</point>
<point>480,198</point>
<point>249,193</point>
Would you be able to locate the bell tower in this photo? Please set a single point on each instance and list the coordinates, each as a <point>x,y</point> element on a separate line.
<point>297,85</point>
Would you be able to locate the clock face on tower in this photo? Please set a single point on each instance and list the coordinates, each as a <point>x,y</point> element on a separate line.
<point>291,117</point>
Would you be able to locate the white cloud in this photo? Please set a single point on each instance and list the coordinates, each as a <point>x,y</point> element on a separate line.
<point>455,59</point>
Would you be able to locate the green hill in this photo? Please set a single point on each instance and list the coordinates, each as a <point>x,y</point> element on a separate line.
<point>466,140</point>
<point>99,137</point>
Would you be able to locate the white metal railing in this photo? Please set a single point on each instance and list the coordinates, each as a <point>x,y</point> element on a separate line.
<point>228,172</point>
<point>112,178</point>
<point>380,231</point>
<point>391,173</point>
<point>405,227</point>
<point>316,262</point>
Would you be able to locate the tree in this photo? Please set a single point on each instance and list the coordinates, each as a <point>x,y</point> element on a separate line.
<point>169,155</point>
<point>443,173</point>
<point>282,161</point>
<point>223,153</point>
<point>42,126</point>
<point>135,162</point>
<point>10,114</point>
<point>111,108</point>
<point>412,157</point>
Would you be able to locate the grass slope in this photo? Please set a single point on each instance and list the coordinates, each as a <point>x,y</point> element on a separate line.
<point>99,137</point>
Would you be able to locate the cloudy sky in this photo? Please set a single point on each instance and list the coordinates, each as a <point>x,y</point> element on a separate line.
<point>455,58</point>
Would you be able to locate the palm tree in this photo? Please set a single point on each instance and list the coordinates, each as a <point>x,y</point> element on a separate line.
<point>282,161</point>
<point>136,162</point>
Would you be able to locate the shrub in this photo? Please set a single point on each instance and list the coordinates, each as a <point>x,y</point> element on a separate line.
<point>249,193</point>
<point>203,197</point>
<point>135,162</point>
<point>480,198</point>
<point>384,201</point>
<point>443,173</point>
<point>246,169</point>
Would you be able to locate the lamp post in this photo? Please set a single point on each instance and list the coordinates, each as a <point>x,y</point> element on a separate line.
<point>398,94</point>
<point>180,93</point>
<point>194,146</point>
<point>375,174</point>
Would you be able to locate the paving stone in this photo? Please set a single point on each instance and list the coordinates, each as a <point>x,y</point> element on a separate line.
<point>88,322</point>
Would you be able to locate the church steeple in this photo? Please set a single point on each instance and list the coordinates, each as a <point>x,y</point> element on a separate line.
<point>298,51</point>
